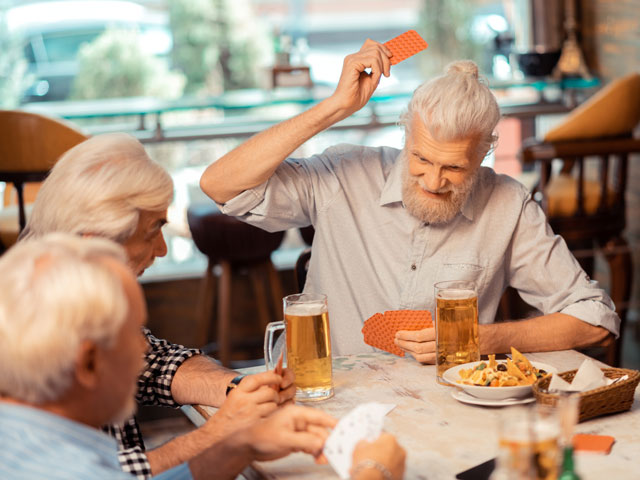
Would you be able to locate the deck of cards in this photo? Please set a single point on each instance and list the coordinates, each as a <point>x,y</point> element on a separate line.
<point>380,329</point>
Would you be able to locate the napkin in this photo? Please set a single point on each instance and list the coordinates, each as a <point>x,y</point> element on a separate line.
<point>362,423</point>
<point>588,377</point>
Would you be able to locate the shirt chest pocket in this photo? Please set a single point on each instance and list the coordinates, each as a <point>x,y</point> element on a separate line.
<point>463,268</point>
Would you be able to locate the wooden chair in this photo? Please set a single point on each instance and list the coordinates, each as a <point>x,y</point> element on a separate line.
<point>582,190</point>
<point>234,248</point>
<point>29,146</point>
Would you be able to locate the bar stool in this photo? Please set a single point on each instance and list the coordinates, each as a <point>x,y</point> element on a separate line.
<point>237,248</point>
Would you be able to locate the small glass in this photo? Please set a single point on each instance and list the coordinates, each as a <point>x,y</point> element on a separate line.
<point>528,442</point>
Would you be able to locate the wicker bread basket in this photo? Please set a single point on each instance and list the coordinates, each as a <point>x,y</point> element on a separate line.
<point>617,397</point>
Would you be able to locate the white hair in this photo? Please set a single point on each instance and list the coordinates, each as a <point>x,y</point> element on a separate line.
<point>455,106</point>
<point>57,292</point>
<point>99,187</point>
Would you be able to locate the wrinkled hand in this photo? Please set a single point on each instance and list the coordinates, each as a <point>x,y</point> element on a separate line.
<point>384,450</point>
<point>253,399</point>
<point>421,344</point>
<point>290,429</point>
<point>356,86</point>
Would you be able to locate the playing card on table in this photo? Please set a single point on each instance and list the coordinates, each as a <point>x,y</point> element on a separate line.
<point>362,423</point>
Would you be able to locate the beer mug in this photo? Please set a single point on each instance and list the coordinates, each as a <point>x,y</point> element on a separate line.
<point>308,345</point>
<point>456,325</point>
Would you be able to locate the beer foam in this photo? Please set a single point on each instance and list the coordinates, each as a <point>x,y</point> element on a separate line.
<point>306,309</point>
<point>456,294</point>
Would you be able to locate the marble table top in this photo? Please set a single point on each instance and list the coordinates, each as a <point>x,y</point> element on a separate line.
<point>443,436</point>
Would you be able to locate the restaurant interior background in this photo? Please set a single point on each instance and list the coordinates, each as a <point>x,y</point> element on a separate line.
<point>193,78</point>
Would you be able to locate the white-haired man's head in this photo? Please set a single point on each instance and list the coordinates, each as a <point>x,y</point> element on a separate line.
<point>449,128</point>
<point>106,186</point>
<point>70,319</point>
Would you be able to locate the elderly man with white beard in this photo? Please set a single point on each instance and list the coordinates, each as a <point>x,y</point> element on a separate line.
<point>390,223</point>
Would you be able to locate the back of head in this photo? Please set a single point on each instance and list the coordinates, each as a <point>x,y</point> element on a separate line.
<point>99,187</point>
<point>57,292</point>
<point>456,106</point>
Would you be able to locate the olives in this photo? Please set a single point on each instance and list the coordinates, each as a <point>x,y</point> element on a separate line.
<point>501,367</point>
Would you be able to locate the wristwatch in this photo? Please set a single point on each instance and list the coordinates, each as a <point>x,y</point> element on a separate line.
<point>234,383</point>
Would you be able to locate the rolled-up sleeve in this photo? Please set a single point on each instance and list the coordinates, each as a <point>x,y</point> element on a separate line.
<point>548,277</point>
<point>162,361</point>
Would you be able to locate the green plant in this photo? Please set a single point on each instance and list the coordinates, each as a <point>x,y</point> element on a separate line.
<point>114,65</point>
<point>446,25</point>
<point>218,44</point>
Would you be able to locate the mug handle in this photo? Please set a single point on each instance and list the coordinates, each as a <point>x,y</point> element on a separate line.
<point>269,359</point>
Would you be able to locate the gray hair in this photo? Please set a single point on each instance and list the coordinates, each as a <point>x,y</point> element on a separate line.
<point>455,106</point>
<point>57,292</point>
<point>99,187</point>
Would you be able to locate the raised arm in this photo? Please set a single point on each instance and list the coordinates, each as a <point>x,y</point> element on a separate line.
<point>253,162</point>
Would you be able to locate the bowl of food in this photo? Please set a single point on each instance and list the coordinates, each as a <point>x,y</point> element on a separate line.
<point>498,379</point>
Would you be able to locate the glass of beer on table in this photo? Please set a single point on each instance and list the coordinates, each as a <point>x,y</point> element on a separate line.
<point>308,345</point>
<point>456,325</point>
<point>528,441</point>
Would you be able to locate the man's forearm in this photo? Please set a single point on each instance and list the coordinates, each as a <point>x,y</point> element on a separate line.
<point>199,380</point>
<point>187,447</point>
<point>253,162</point>
<point>547,333</point>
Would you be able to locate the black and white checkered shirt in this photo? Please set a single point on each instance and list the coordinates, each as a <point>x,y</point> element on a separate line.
<point>154,388</point>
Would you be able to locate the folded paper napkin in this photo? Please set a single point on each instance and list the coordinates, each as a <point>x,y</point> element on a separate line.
<point>588,377</point>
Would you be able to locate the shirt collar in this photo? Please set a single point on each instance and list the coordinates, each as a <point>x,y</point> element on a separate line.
<point>392,191</point>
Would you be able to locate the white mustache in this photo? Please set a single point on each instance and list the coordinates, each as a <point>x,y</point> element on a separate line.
<point>440,190</point>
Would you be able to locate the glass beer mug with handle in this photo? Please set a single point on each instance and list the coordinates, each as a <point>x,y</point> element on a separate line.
<point>308,345</point>
<point>456,325</point>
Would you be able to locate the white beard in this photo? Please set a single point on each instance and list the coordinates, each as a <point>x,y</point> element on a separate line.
<point>127,411</point>
<point>431,210</point>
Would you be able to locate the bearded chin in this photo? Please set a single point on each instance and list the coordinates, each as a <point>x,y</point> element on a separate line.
<point>432,210</point>
<point>125,412</point>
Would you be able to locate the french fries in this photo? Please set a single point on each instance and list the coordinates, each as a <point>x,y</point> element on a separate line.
<point>517,371</point>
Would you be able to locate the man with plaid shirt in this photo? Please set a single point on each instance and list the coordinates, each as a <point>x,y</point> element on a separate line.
<point>107,186</point>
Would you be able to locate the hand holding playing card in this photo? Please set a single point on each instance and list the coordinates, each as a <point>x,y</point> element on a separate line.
<point>363,422</point>
<point>380,330</point>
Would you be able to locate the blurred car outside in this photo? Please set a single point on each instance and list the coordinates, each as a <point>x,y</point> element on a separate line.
<point>53,33</point>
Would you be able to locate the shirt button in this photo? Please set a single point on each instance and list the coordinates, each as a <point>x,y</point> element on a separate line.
<point>413,267</point>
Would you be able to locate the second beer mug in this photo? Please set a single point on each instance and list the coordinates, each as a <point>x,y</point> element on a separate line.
<point>456,325</point>
<point>308,345</point>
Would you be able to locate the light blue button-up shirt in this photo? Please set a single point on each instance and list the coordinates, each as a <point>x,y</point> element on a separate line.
<point>370,255</point>
<point>37,444</point>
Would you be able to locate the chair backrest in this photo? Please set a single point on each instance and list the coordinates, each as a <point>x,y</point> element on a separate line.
<point>585,196</point>
<point>29,146</point>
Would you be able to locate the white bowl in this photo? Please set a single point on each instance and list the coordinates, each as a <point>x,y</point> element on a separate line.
<point>492,393</point>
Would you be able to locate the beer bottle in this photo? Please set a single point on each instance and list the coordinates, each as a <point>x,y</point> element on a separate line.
<point>568,469</point>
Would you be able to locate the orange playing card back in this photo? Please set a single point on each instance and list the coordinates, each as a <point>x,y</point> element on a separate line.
<point>380,329</point>
<point>405,45</point>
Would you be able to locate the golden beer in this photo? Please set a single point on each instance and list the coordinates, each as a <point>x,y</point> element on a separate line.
<point>456,326</point>
<point>309,349</point>
<point>529,440</point>
<point>542,456</point>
